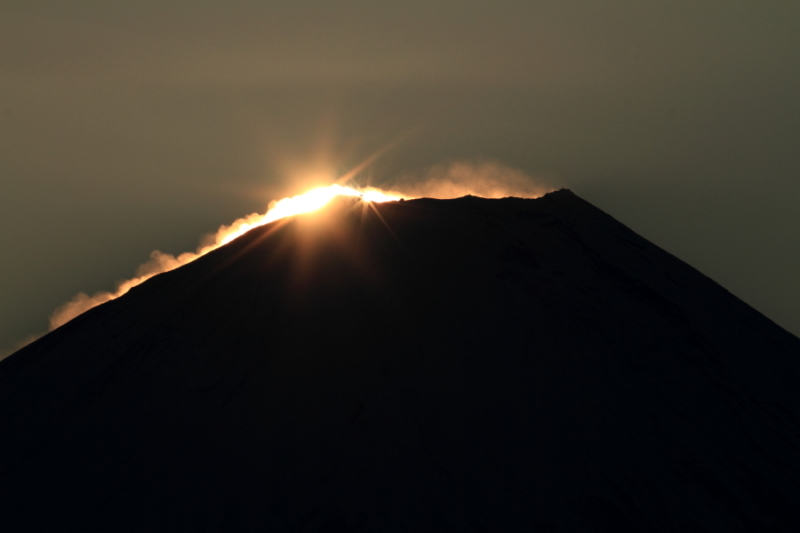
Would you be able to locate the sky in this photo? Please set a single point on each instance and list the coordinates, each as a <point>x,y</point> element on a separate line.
<point>132,126</point>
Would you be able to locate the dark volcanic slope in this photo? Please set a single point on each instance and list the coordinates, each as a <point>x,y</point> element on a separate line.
<point>488,365</point>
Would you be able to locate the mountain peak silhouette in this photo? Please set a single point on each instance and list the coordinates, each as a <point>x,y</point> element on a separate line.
<point>438,365</point>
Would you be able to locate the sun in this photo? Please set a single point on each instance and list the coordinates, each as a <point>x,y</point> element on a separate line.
<point>306,203</point>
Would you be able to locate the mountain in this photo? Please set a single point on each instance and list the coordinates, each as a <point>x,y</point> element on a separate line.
<point>426,365</point>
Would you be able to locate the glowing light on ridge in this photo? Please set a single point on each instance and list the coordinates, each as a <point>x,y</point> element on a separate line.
<point>160,262</point>
<point>306,203</point>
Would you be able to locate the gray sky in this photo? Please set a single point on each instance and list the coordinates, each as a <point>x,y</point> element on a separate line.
<point>132,126</point>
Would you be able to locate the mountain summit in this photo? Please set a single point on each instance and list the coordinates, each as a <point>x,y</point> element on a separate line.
<point>425,365</point>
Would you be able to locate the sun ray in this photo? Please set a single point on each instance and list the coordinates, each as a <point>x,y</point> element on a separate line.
<point>375,209</point>
<point>355,171</point>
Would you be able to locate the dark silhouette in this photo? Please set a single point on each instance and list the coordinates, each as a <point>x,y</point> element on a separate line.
<point>450,365</point>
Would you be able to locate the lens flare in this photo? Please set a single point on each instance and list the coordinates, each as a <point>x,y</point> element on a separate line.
<point>160,262</point>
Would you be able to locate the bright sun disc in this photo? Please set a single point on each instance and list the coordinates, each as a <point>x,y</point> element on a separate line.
<point>305,203</point>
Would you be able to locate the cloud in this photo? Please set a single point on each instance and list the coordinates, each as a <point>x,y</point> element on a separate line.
<point>484,178</point>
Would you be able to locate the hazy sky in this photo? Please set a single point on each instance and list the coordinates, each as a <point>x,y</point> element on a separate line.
<point>132,126</point>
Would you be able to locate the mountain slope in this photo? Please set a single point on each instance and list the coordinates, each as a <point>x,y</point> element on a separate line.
<point>465,365</point>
